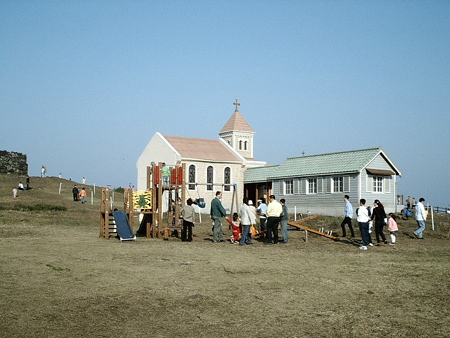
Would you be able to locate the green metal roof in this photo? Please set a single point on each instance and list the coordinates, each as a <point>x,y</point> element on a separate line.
<point>322,164</point>
<point>259,174</point>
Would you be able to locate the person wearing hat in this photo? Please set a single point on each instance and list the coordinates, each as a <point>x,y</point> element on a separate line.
<point>261,210</point>
<point>252,208</point>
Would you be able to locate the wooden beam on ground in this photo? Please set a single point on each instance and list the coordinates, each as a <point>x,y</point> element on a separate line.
<point>297,225</point>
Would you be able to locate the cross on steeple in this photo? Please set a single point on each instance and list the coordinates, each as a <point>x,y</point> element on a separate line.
<point>236,104</point>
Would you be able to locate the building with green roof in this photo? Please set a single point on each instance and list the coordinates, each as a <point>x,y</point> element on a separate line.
<point>317,184</point>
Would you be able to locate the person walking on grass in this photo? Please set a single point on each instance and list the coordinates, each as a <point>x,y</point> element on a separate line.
<point>421,217</point>
<point>363,218</point>
<point>379,215</point>
<point>348,214</point>
<point>392,227</point>
<point>75,193</point>
<point>284,221</point>
<point>83,195</point>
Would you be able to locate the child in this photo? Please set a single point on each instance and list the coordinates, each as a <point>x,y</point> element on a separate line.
<point>236,229</point>
<point>392,228</point>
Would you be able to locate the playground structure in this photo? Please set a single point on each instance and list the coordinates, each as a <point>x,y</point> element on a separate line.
<point>148,204</point>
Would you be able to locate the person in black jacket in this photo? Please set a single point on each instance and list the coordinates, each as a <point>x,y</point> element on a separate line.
<point>75,193</point>
<point>379,217</point>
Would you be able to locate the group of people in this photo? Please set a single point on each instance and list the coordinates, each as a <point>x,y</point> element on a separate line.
<point>79,195</point>
<point>275,214</point>
<point>270,216</point>
<point>21,187</point>
<point>377,216</point>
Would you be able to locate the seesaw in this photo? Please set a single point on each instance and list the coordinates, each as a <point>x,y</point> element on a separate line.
<point>297,225</point>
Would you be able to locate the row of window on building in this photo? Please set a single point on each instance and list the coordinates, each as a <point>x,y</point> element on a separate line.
<point>331,184</point>
<point>242,144</point>
<point>209,178</point>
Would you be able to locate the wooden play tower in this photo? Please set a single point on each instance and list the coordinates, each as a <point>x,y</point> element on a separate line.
<point>159,204</point>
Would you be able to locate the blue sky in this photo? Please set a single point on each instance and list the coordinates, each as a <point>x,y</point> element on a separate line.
<point>84,85</point>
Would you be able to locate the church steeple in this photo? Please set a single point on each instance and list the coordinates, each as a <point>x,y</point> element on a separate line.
<point>238,133</point>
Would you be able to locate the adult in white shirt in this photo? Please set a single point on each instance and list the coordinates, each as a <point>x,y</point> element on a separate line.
<point>421,217</point>
<point>247,220</point>
<point>363,218</point>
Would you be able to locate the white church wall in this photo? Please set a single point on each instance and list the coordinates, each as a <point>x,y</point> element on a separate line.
<point>201,190</point>
<point>157,150</point>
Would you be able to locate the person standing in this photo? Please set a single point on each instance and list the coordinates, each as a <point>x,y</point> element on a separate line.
<point>348,214</point>
<point>261,210</point>
<point>284,220</point>
<point>254,217</point>
<point>75,193</point>
<point>247,220</point>
<point>217,213</point>
<point>188,214</point>
<point>421,217</point>
<point>363,218</point>
<point>84,180</point>
<point>379,215</point>
<point>28,183</point>
<point>83,195</point>
<point>165,173</point>
<point>14,191</point>
<point>274,211</point>
<point>392,228</point>
<point>408,202</point>
<point>252,209</point>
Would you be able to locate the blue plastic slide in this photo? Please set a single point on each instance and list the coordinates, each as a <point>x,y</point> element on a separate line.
<point>123,226</point>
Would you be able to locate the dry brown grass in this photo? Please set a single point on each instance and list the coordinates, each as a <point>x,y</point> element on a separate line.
<point>58,279</point>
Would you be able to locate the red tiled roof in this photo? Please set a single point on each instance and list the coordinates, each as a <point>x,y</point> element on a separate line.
<point>236,122</point>
<point>202,149</point>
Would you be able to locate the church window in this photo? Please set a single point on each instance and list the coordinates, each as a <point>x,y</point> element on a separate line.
<point>192,177</point>
<point>240,145</point>
<point>210,178</point>
<point>227,178</point>
<point>245,145</point>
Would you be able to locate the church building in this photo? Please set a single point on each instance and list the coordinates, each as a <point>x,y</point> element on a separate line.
<point>211,165</point>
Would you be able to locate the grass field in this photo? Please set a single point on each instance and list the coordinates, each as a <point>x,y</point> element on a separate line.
<point>59,279</point>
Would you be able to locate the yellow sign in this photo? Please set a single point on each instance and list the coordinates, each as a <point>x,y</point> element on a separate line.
<point>142,200</point>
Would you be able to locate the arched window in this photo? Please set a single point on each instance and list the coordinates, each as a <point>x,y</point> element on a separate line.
<point>210,178</point>
<point>227,178</point>
<point>245,145</point>
<point>192,177</point>
<point>240,145</point>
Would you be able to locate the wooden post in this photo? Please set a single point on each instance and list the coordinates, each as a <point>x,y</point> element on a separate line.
<point>159,207</point>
